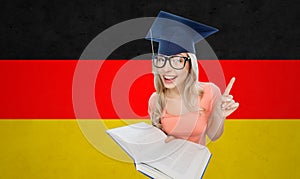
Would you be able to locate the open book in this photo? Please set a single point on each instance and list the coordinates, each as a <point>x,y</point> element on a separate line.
<point>153,157</point>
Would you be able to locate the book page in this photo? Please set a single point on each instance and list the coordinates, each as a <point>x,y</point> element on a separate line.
<point>138,138</point>
<point>123,145</point>
<point>188,161</point>
<point>138,133</point>
<point>156,151</point>
<point>151,171</point>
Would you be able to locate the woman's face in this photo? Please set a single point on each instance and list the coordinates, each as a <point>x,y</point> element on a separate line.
<point>171,77</point>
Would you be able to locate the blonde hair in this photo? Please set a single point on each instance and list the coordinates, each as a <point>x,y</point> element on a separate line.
<point>190,91</point>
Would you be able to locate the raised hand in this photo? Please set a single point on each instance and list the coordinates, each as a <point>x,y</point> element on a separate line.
<point>226,102</point>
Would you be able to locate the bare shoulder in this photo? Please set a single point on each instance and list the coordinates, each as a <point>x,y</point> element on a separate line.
<point>152,98</point>
<point>151,103</point>
<point>208,86</point>
<point>211,93</point>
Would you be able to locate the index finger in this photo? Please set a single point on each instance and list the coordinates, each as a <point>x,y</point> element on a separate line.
<point>229,86</point>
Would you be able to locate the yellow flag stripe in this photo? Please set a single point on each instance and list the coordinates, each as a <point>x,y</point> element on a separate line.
<point>58,149</point>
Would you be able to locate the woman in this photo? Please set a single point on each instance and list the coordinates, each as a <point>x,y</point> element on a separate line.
<point>181,106</point>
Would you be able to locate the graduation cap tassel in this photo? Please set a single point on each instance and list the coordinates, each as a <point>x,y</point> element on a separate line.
<point>152,48</point>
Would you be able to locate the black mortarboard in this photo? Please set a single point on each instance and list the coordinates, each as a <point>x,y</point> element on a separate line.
<point>176,34</point>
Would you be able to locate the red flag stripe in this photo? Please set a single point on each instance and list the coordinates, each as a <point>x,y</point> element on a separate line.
<point>42,89</point>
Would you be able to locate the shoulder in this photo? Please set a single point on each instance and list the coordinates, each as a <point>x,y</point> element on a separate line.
<point>153,96</point>
<point>211,93</point>
<point>209,88</point>
<point>151,102</point>
<point>152,99</point>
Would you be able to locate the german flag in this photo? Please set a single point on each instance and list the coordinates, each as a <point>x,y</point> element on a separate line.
<point>53,119</point>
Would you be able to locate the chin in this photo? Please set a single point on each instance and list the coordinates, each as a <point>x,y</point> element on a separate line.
<point>170,86</point>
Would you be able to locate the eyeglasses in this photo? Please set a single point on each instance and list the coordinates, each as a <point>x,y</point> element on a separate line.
<point>176,62</point>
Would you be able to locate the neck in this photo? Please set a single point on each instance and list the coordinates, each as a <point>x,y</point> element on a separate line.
<point>174,92</point>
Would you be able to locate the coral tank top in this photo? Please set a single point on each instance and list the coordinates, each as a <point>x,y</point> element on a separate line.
<point>190,126</point>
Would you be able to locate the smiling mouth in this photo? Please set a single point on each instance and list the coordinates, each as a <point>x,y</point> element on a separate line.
<point>169,79</point>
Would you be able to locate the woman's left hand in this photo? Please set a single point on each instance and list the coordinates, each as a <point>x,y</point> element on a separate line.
<point>226,103</point>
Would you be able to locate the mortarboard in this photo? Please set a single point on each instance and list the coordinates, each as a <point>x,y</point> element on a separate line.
<point>177,34</point>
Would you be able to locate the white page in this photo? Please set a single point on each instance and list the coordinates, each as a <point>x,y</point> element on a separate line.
<point>189,161</point>
<point>156,151</point>
<point>123,145</point>
<point>150,171</point>
<point>138,133</point>
<point>138,139</point>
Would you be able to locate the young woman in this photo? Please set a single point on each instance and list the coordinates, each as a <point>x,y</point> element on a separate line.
<point>183,107</point>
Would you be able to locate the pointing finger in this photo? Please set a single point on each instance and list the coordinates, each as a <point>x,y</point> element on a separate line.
<point>229,86</point>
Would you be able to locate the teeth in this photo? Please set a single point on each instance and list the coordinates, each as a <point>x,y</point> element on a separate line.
<point>169,77</point>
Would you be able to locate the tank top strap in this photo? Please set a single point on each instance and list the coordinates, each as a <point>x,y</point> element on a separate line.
<point>199,102</point>
<point>164,111</point>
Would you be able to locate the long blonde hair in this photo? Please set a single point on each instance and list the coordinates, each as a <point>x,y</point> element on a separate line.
<point>190,93</point>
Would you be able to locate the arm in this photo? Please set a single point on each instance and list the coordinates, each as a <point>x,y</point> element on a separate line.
<point>222,106</point>
<point>151,106</point>
<point>215,126</point>
<point>151,110</point>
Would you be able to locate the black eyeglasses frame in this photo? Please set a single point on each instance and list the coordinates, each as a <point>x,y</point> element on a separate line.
<point>168,59</point>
